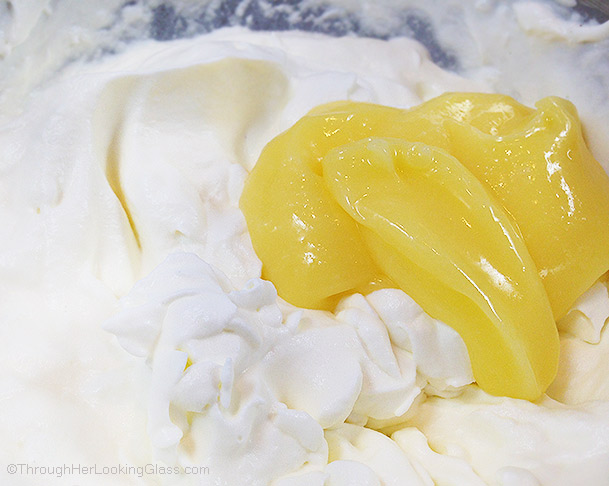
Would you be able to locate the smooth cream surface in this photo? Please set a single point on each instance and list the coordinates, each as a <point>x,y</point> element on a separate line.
<point>136,329</point>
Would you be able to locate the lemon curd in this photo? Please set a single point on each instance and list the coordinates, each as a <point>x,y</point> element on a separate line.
<point>493,216</point>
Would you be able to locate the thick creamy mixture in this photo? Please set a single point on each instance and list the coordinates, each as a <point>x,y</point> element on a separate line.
<point>136,330</point>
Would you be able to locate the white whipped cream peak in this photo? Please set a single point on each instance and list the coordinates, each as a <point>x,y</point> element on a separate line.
<point>230,362</point>
<point>588,315</point>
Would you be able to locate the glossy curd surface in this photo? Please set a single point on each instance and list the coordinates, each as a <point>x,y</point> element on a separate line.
<point>493,216</point>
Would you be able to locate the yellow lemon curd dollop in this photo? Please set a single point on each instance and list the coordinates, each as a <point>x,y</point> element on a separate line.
<point>493,216</point>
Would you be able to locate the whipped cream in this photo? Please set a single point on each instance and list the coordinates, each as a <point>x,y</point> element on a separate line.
<point>137,329</point>
<point>540,19</point>
<point>254,377</point>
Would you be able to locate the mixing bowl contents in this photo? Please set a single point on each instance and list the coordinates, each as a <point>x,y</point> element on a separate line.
<point>274,257</point>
